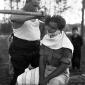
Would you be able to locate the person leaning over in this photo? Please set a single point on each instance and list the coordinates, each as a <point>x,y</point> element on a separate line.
<point>24,49</point>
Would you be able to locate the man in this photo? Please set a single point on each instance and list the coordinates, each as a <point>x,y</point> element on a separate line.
<point>55,56</point>
<point>77,43</point>
<point>24,49</point>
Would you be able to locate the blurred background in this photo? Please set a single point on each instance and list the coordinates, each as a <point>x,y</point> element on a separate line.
<point>71,10</point>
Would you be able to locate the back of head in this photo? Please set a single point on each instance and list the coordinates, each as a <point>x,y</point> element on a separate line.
<point>59,20</point>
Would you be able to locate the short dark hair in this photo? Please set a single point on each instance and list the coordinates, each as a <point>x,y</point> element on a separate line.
<point>57,19</point>
<point>74,28</point>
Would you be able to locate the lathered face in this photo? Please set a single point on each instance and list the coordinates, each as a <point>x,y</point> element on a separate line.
<point>51,27</point>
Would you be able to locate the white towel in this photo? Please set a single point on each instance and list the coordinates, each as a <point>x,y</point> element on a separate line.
<point>57,42</point>
<point>31,77</point>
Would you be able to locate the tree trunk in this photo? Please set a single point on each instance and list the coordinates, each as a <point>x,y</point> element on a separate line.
<point>17,1</point>
<point>82,22</point>
<point>11,4</point>
<point>17,6</point>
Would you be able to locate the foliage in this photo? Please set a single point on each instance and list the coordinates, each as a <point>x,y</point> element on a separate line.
<point>57,6</point>
<point>62,6</point>
<point>17,1</point>
<point>6,28</point>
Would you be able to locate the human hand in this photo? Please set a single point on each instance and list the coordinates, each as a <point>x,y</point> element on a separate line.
<point>30,67</point>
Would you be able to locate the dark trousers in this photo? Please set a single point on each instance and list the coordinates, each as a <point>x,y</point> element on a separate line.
<point>22,54</point>
<point>76,60</point>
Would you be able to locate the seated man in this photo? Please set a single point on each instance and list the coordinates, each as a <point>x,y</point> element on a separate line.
<point>55,56</point>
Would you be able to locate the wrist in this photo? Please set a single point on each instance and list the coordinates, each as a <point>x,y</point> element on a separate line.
<point>48,79</point>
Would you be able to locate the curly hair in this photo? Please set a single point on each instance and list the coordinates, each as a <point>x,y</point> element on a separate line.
<point>57,19</point>
<point>47,19</point>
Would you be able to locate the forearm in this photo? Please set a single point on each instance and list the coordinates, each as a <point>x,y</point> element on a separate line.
<point>20,19</point>
<point>41,69</point>
<point>57,72</point>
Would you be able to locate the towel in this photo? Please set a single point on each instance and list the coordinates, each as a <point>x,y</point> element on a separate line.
<point>57,42</point>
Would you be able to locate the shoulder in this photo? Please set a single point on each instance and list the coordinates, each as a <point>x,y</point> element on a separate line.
<point>66,50</point>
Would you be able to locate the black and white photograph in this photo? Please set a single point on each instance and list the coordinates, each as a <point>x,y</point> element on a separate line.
<point>42,42</point>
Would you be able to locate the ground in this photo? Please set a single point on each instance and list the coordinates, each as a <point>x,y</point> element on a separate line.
<point>5,76</point>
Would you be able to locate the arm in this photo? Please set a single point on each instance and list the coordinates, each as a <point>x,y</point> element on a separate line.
<point>42,65</point>
<point>65,62</point>
<point>42,30</point>
<point>18,20</point>
<point>21,18</point>
<point>57,72</point>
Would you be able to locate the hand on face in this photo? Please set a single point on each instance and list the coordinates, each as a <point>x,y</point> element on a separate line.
<point>51,27</point>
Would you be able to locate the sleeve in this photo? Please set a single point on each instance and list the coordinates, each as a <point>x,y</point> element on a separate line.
<point>66,56</point>
<point>14,17</point>
<point>13,20</point>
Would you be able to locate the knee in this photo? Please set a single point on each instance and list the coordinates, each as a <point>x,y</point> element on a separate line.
<point>58,81</point>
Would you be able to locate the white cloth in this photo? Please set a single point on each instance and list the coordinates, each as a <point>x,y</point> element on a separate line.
<point>57,42</point>
<point>31,77</point>
<point>28,31</point>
